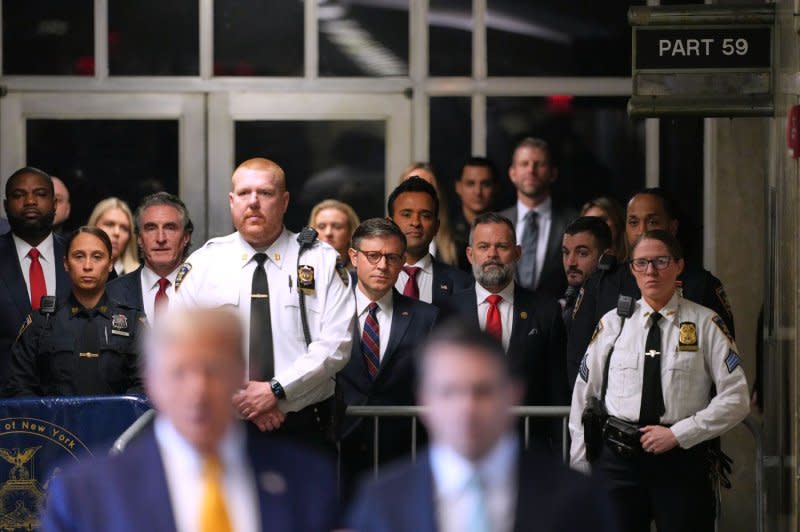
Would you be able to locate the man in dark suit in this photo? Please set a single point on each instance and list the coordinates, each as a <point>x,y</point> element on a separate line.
<point>414,207</point>
<point>527,324</point>
<point>31,256</point>
<point>539,223</point>
<point>196,468</point>
<point>475,476</point>
<point>390,325</point>
<point>164,233</point>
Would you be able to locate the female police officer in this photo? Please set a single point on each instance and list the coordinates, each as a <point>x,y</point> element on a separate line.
<point>665,360</point>
<point>85,346</point>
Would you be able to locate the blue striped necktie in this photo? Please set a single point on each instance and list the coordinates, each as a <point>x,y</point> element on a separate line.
<point>370,341</point>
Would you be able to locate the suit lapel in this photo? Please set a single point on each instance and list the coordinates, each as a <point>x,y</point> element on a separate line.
<point>270,486</point>
<point>552,258</point>
<point>469,300</point>
<point>63,283</point>
<point>11,275</point>
<point>155,491</point>
<point>401,318</point>
<point>137,286</point>
<point>442,285</point>
<point>521,321</point>
<point>423,515</point>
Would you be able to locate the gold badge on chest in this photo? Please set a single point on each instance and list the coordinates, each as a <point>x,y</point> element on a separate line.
<point>687,340</point>
<point>305,279</point>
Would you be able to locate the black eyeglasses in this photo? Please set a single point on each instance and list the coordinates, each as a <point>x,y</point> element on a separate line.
<point>374,257</point>
<point>659,263</point>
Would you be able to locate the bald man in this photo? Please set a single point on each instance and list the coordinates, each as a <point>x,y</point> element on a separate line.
<point>294,301</point>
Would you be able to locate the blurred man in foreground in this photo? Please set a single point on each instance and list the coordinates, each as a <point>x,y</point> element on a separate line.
<point>475,476</point>
<point>197,468</point>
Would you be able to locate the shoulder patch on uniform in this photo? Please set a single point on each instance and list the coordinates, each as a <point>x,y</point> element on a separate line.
<point>25,325</point>
<point>732,361</point>
<point>584,369</point>
<point>723,298</point>
<point>719,322</point>
<point>598,328</point>
<point>344,275</point>
<point>185,268</point>
<point>578,302</point>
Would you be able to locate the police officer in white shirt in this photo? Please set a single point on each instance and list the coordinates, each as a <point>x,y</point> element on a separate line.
<point>667,359</point>
<point>298,313</point>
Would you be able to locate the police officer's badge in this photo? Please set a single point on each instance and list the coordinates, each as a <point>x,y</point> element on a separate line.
<point>119,325</point>
<point>305,279</point>
<point>687,339</point>
<point>344,275</point>
<point>182,272</point>
<point>578,302</point>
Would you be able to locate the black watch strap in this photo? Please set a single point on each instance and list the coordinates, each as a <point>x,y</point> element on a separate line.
<point>277,389</point>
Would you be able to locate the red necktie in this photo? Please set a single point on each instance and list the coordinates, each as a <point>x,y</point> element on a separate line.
<point>36,277</point>
<point>370,341</point>
<point>494,325</point>
<point>161,297</point>
<point>411,289</point>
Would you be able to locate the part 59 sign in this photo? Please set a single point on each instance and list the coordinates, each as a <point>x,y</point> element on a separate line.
<point>734,48</point>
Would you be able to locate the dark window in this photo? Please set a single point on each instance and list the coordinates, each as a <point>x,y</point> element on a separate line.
<point>100,158</point>
<point>450,37</point>
<point>153,38</point>
<point>450,141</point>
<point>558,38</point>
<point>48,37</point>
<point>363,40</point>
<point>258,38</point>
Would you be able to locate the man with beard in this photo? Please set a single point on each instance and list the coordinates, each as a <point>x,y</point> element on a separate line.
<point>31,257</point>
<point>527,324</point>
<point>585,240</point>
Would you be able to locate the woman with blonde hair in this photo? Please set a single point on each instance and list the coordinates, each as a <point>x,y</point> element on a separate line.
<point>443,246</point>
<point>613,215</point>
<point>113,216</point>
<point>335,222</point>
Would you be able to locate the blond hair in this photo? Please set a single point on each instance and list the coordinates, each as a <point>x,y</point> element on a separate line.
<point>352,218</point>
<point>444,239</point>
<point>129,256</point>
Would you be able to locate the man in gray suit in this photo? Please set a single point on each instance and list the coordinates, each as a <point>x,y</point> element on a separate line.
<point>539,224</point>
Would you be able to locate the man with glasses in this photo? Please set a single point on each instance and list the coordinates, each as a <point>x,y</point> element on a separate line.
<point>414,207</point>
<point>389,327</point>
<point>647,210</point>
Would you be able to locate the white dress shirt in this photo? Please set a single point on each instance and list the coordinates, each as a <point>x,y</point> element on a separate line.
<point>119,267</point>
<point>47,259</point>
<point>506,308</point>
<point>221,274</point>
<point>183,469</point>
<point>150,289</point>
<point>545,212</point>
<point>708,356</point>
<point>454,501</point>
<point>383,315</point>
<point>424,278</point>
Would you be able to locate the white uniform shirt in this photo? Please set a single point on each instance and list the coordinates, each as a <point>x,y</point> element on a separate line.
<point>383,315</point>
<point>47,258</point>
<point>183,470</point>
<point>221,273</point>
<point>506,308</point>
<point>545,212</point>
<point>707,357</point>
<point>424,278</point>
<point>150,289</point>
<point>498,472</point>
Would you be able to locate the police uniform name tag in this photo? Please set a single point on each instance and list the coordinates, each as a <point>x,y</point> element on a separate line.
<point>305,279</point>
<point>687,339</point>
<point>119,325</point>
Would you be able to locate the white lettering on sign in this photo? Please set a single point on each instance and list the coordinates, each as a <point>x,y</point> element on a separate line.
<point>701,47</point>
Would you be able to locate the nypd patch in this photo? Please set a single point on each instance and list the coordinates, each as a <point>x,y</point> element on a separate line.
<point>732,361</point>
<point>719,322</point>
<point>344,275</point>
<point>182,272</point>
<point>584,369</point>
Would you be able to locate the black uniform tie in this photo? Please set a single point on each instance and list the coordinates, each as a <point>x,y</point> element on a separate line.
<point>652,398</point>
<point>262,358</point>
